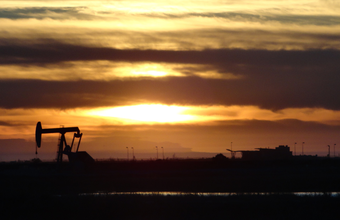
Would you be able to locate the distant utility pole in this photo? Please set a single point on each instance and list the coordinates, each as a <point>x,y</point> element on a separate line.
<point>231,151</point>
<point>329,151</point>
<point>302,147</point>
<point>163,152</point>
<point>127,149</point>
<point>133,153</point>
<point>157,152</point>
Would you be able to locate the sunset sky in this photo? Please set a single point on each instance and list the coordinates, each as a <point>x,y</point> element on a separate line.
<point>188,76</point>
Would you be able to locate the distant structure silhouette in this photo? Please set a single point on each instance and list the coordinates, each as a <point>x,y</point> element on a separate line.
<point>280,152</point>
<point>219,157</point>
<point>133,153</point>
<point>127,154</point>
<point>157,153</point>
<point>233,153</point>
<point>329,151</point>
<point>163,152</point>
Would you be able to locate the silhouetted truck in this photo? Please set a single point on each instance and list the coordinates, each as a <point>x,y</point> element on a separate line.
<point>280,152</point>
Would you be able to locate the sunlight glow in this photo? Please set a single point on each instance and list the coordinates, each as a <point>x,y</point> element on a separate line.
<point>149,73</point>
<point>158,113</point>
<point>146,113</point>
<point>108,70</point>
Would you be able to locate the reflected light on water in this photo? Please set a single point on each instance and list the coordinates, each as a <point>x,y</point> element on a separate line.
<point>333,194</point>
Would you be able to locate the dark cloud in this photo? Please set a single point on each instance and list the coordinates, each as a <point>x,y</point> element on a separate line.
<point>14,146</point>
<point>227,126</point>
<point>4,123</point>
<point>52,52</point>
<point>60,13</point>
<point>319,20</point>
<point>266,92</point>
<point>253,38</point>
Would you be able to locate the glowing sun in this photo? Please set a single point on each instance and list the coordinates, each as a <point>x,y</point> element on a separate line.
<point>146,113</point>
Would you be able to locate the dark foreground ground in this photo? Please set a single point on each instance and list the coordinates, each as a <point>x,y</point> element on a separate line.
<point>45,190</point>
<point>170,207</point>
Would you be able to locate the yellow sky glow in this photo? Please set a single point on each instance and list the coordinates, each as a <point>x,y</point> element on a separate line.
<point>146,113</point>
<point>157,113</point>
<point>107,70</point>
<point>154,113</point>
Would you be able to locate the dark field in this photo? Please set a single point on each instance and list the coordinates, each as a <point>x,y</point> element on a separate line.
<point>170,207</point>
<point>45,190</point>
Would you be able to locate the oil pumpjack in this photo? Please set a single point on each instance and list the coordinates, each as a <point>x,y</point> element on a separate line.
<point>63,148</point>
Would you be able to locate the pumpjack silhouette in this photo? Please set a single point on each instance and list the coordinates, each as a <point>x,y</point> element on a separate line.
<point>73,154</point>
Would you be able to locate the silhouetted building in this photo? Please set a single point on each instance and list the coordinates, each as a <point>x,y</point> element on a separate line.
<point>280,152</point>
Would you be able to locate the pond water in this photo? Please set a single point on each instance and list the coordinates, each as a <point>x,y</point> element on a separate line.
<point>332,194</point>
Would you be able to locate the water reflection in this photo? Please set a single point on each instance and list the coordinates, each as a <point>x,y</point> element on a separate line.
<point>332,194</point>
